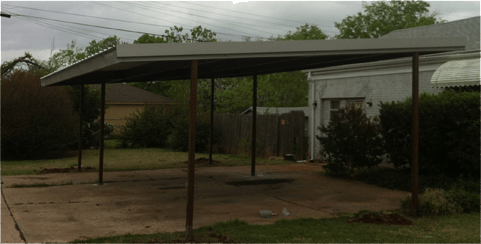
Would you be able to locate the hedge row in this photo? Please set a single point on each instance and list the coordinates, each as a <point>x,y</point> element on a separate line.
<point>154,128</point>
<point>449,133</point>
<point>37,122</point>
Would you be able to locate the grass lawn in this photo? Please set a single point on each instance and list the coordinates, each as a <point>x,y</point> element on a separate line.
<point>443,229</point>
<point>127,159</point>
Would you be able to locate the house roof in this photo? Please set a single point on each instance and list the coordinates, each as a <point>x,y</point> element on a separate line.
<point>172,61</point>
<point>118,93</point>
<point>274,110</point>
<point>469,28</point>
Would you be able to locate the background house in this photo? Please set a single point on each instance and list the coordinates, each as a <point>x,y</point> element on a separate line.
<point>367,84</point>
<point>123,100</point>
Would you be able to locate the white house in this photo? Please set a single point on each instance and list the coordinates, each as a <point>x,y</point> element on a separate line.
<point>367,84</point>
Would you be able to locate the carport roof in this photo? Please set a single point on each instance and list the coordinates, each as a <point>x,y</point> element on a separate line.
<point>172,61</point>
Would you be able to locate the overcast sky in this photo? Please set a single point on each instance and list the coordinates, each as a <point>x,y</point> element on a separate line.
<point>229,20</point>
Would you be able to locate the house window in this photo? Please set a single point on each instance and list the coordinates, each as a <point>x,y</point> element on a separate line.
<point>334,109</point>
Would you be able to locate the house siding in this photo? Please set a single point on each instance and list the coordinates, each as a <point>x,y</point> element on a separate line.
<point>368,88</point>
<point>116,114</point>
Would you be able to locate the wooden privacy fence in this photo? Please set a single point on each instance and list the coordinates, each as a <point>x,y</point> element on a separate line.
<point>277,135</point>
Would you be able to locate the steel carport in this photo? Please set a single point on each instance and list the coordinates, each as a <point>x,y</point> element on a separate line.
<point>180,61</point>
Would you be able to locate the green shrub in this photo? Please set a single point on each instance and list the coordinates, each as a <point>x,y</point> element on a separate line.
<point>179,138</point>
<point>149,128</point>
<point>351,141</point>
<point>37,122</point>
<point>448,133</point>
<point>432,202</point>
<point>467,201</point>
<point>91,134</point>
<point>91,107</point>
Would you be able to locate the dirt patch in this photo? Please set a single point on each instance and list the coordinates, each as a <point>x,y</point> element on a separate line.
<point>65,170</point>
<point>205,161</point>
<point>383,219</point>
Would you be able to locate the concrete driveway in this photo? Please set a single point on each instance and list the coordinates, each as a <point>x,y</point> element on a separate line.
<point>142,202</point>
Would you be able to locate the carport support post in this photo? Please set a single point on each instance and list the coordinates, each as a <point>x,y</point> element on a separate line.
<point>415,132</point>
<point>192,124</point>
<point>80,129</point>
<point>254,126</point>
<point>101,146</point>
<point>211,119</point>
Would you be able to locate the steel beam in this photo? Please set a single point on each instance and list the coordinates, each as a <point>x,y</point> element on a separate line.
<point>101,146</point>
<point>192,130</point>
<point>211,119</point>
<point>80,137</point>
<point>254,126</point>
<point>415,132</point>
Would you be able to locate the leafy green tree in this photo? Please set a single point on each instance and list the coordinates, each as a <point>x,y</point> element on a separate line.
<point>382,17</point>
<point>179,89</point>
<point>304,32</point>
<point>233,95</point>
<point>287,89</point>
<point>92,103</point>
<point>174,35</point>
<point>26,63</point>
<point>72,54</point>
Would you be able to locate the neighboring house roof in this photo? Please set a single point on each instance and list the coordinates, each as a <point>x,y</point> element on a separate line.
<point>457,73</point>
<point>273,110</point>
<point>118,93</point>
<point>468,28</point>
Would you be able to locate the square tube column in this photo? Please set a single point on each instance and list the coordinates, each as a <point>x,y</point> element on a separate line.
<point>189,219</point>
<point>254,126</point>
<point>101,146</point>
<point>79,167</point>
<point>415,133</point>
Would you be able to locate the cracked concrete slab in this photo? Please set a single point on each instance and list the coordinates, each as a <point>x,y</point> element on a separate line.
<point>149,201</point>
<point>10,234</point>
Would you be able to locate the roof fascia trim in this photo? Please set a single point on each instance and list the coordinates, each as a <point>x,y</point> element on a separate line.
<point>82,67</point>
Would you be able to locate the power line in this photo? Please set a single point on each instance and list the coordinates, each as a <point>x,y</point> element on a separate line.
<point>225,15</point>
<point>147,8</point>
<point>144,15</point>
<point>58,28</point>
<point>90,16</point>
<point>70,26</point>
<point>236,23</point>
<point>251,14</point>
<point>103,27</point>
<point>261,16</point>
